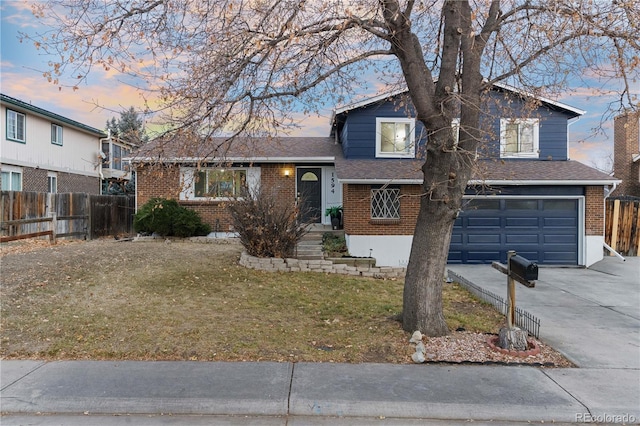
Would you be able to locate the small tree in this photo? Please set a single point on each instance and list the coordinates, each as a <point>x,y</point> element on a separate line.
<point>266,226</point>
<point>129,127</point>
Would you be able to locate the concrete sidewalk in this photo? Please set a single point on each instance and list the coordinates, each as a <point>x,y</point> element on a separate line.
<point>591,315</point>
<point>282,392</point>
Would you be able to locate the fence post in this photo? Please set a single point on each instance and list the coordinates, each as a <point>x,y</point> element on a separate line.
<point>54,227</point>
<point>88,223</point>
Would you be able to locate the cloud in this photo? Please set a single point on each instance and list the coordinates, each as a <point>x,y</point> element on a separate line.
<point>92,105</point>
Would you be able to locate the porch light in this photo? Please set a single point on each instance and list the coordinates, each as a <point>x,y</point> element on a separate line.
<point>287,172</point>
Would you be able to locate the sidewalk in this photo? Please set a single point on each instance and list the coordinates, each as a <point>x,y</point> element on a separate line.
<point>591,315</point>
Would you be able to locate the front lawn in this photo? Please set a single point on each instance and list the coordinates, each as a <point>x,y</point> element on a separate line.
<point>191,301</point>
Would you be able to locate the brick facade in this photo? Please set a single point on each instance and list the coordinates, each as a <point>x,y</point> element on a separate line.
<point>626,144</point>
<point>36,180</point>
<point>594,210</point>
<point>356,202</point>
<point>164,182</point>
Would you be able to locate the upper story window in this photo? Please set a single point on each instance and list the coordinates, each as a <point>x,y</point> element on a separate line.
<point>385,203</point>
<point>519,138</point>
<point>395,137</point>
<point>16,122</point>
<point>219,183</point>
<point>11,179</point>
<point>56,134</point>
<point>113,156</point>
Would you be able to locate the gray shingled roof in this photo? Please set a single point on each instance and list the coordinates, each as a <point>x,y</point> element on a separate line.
<point>490,171</point>
<point>317,149</point>
<point>276,149</point>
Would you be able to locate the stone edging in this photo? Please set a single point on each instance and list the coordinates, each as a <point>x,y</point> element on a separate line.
<point>273,264</point>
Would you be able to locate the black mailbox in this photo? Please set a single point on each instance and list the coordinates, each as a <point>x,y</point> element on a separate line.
<point>523,268</point>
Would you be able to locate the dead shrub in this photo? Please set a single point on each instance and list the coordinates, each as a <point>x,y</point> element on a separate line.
<point>266,226</point>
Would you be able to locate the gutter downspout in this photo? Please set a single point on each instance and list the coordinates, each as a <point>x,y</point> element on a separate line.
<point>605,245</point>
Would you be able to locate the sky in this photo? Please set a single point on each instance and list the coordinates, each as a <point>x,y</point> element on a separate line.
<point>104,96</point>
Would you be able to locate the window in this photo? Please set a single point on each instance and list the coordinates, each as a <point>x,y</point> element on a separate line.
<point>11,180</point>
<point>52,182</point>
<point>219,183</point>
<point>56,134</point>
<point>385,203</point>
<point>395,137</point>
<point>16,126</point>
<point>519,137</point>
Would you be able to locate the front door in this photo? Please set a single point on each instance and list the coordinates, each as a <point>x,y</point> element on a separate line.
<point>309,181</point>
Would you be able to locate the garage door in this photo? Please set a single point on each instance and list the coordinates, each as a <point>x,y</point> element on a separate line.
<point>544,231</point>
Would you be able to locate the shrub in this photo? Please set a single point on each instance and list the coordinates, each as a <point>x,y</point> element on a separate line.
<point>167,218</point>
<point>266,226</point>
<point>332,243</point>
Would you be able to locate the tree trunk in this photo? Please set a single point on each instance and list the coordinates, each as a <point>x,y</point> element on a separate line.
<point>441,200</point>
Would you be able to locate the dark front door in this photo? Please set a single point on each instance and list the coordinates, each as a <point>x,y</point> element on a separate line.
<point>310,193</point>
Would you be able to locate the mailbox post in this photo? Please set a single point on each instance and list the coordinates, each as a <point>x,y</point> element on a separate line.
<point>522,270</point>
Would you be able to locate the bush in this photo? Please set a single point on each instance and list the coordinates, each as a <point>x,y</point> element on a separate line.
<point>332,243</point>
<point>266,226</point>
<point>167,218</point>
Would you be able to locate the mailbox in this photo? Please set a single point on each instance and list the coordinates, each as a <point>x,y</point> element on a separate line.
<point>523,268</point>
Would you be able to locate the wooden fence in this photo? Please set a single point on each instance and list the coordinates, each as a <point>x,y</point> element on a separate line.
<point>622,226</point>
<point>35,214</point>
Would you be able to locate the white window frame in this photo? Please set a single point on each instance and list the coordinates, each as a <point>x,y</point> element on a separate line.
<point>535,153</point>
<point>56,134</point>
<point>188,177</point>
<point>13,173</point>
<point>411,152</point>
<point>13,126</point>
<point>380,210</point>
<point>52,182</point>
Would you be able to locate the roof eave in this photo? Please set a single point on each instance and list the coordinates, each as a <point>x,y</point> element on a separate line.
<point>40,112</point>
<point>306,160</point>
<point>516,182</point>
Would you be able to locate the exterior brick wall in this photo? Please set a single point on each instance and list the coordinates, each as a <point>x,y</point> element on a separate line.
<point>594,210</point>
<point>626,143</point>
<point>164,182</point>
<point>69,182</point>
<point>36,180</point>
<point>356,202</point>
<point>157,181</point>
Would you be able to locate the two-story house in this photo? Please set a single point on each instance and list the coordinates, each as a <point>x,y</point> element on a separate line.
<point>43,151</point>
<point>626,153</point>
<point>526,195</point>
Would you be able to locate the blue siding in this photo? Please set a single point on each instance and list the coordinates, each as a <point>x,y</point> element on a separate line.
<point>358,134</point>
<point>359,141</point>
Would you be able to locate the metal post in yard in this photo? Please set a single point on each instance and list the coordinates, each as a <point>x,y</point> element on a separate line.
<point>511,293</point>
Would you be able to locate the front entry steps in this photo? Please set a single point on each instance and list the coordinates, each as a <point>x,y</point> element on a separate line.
<point>310,247</point>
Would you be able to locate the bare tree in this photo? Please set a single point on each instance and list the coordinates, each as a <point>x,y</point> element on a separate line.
<point>240,66</point>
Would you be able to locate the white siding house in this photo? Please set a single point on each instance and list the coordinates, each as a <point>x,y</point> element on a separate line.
<point>46,152</point>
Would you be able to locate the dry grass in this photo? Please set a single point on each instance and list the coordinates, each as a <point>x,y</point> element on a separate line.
<point>179,301</point>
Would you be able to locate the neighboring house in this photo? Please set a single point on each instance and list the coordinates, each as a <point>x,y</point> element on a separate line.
<point>115,169</point>
<point>626,154</point>
<point>526,194</point>
<point>43,151</point>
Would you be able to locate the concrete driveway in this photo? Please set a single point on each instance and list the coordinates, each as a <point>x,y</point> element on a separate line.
<point>591,315</point>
